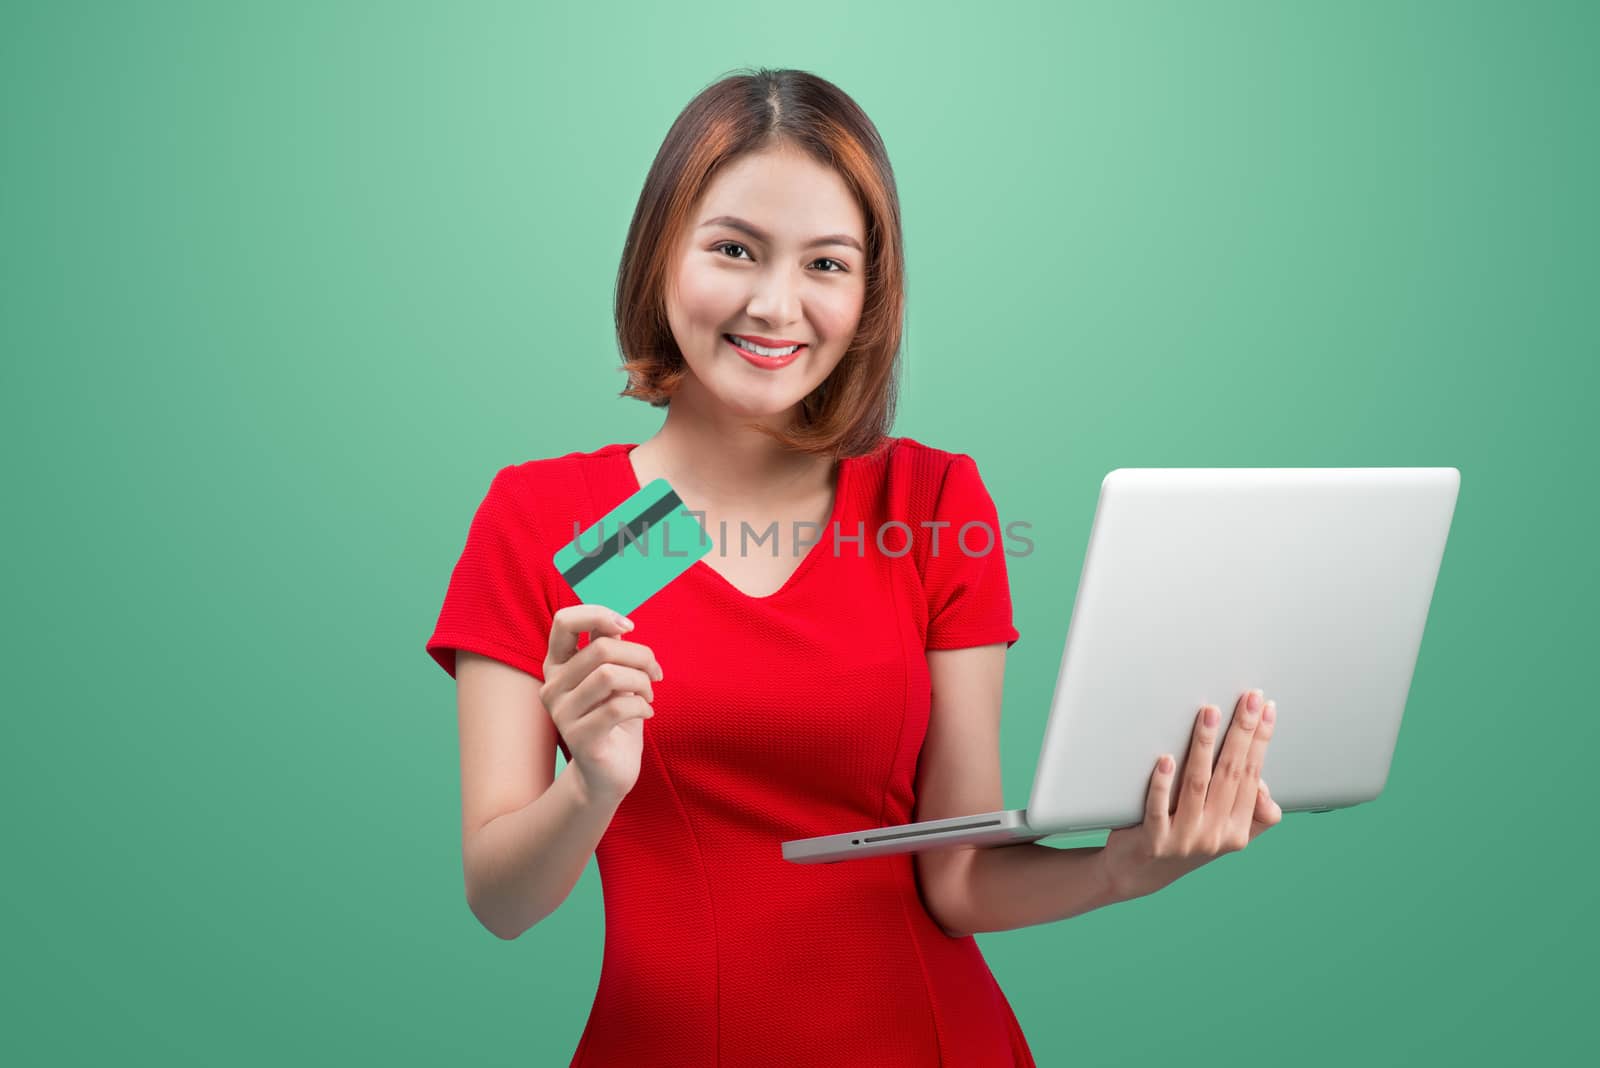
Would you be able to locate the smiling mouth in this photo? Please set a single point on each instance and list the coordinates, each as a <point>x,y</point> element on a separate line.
<point>761,351</point>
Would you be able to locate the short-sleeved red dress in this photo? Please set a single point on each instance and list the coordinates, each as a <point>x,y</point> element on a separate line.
<point>788,716</point>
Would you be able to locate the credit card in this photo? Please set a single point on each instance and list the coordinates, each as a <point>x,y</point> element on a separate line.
<point>626,556</point>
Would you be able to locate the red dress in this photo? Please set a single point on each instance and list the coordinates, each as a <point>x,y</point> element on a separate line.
<point>797,714</point>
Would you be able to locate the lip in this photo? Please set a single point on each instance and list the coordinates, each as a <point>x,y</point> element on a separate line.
<point>764,362</point>
<point>767,342</point>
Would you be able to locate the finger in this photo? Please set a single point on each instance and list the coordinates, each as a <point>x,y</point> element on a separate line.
<point>1245,801</point>
<point>1160,795</point>
<point>607,681</point>
<point>617,651</point>
<point>1268,813</point>
<point>1262,809</point>
<point>1228,778</point>
<point>594,689</point>
<point>569,622</point>
<point>1196,777</point>
<point>620,708</point>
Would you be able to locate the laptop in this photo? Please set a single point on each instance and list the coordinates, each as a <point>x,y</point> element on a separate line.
<point>1312,584</point>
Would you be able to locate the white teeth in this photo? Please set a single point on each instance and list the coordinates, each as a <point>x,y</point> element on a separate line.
<point>746,343</point>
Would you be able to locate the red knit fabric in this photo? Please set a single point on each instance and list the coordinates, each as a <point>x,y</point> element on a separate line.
<point>780,717</point>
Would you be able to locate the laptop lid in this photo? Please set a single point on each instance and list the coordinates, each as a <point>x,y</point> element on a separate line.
<point>1312,584</point>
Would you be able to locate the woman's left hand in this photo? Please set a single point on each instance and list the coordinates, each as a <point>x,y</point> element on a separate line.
<point>1215,814</point>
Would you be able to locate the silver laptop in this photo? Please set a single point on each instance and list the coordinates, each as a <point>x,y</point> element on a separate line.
<point>1199,584</point>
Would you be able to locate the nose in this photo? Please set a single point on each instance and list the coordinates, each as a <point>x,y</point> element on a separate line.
<point>775,301</point>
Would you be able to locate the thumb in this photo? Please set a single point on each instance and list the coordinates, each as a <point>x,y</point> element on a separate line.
<point>1266,814</point>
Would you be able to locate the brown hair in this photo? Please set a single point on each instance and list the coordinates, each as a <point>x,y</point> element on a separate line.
<point>850,412</point>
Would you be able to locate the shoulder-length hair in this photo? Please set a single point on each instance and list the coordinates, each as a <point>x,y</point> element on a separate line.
<point>849,413</point>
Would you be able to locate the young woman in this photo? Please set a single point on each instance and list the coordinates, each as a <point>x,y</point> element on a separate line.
<point>844,673</point>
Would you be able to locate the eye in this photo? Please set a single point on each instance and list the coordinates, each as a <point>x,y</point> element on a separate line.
<point>840,268</point>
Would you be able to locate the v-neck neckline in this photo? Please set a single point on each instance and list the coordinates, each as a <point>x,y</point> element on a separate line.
<point>631,485</point>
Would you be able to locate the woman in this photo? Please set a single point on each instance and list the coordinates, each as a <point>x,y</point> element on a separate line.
<point>846,674</point>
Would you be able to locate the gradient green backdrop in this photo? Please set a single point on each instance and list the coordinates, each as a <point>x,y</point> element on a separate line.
<point>285,284</point>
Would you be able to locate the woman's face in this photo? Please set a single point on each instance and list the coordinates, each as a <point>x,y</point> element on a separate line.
<point>796,279</point>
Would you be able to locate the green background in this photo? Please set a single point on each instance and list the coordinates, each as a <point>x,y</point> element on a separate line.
<point>285,284</point>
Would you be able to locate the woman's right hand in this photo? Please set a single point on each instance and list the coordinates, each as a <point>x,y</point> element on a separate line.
<point>599,697</point>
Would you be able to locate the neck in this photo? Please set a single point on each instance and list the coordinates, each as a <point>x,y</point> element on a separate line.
<point>715,459</point>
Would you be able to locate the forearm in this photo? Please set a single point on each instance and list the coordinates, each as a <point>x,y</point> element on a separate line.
<point>1027,884</point>
<point>521,866</point>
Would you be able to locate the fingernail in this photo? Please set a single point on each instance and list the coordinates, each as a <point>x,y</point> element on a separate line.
<point>624,622</point>
<point>1212,714</point>
<point>1270,713</point>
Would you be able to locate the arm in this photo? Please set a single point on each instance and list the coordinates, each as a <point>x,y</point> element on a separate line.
<point>967,889</point>
<point>525,839</point>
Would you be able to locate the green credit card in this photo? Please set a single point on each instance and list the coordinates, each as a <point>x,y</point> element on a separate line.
<point>627,556</point>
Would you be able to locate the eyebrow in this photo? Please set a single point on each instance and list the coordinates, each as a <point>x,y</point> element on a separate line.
<point>735,223</point>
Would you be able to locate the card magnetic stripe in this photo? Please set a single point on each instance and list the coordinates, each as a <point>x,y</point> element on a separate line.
<point>610,547</point>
